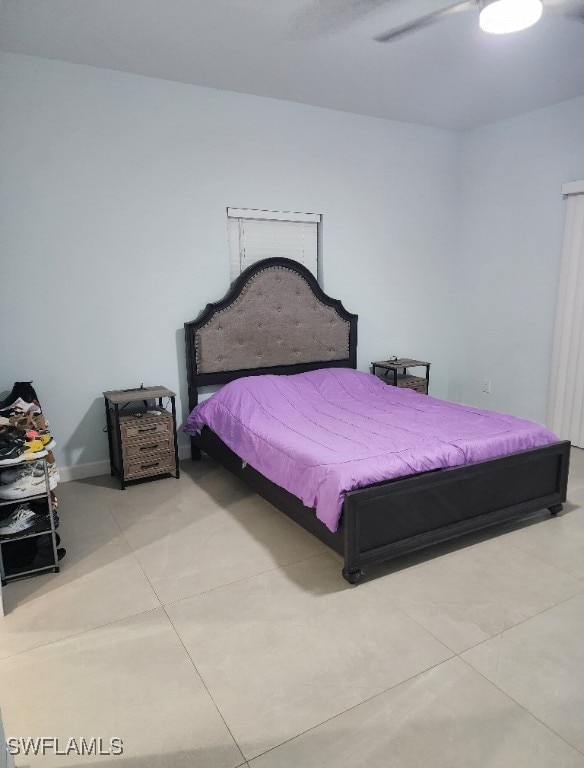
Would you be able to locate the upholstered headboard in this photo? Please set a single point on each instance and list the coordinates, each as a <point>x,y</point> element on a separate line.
<point>274,319</point>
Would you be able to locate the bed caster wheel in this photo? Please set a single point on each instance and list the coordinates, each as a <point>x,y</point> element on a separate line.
<point>555,509</point>
<point>353,576</point>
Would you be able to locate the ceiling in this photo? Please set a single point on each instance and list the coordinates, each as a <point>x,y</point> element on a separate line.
<point>317,52</point>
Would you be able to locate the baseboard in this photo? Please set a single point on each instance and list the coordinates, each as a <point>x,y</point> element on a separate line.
<point>95,468</point>
<point>80,471</point>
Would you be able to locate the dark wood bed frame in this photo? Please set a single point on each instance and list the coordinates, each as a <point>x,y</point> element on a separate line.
<point>399,516</point>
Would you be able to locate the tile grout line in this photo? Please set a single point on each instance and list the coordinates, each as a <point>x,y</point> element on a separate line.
<point>519,623</point>
<point>349,709</point>
<point>527,711</point>
<point>205,686</point>
<point>455,654</point>
<point>79,634</point>
<point>148,610</point>
<point>219,586</point>
<point>490,637</point>
<point>107,623</point>
<point>545,562</point>
<point>412,618</point>
<point>156,595</point>
<point>244,578</point>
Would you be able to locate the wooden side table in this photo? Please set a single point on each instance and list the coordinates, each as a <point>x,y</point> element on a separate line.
<point>396,373</point>
<point>142,442</point>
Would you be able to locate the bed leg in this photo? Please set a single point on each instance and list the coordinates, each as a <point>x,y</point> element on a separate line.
<point>352,575</point>
<point>195,451</point>
<point>556,508</point>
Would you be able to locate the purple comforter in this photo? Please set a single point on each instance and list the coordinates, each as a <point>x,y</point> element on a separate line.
<point>323,433</point>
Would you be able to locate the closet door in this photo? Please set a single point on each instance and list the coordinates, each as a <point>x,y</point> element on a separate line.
<point>566,412</point>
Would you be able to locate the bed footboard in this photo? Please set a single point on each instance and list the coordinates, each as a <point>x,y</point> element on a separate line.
<point>394,518</point>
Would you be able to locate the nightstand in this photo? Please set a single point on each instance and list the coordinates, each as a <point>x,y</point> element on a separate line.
<point>142,439</point>
<point>395,372</point>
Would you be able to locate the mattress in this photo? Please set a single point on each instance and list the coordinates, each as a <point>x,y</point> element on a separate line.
<point>326,432</point>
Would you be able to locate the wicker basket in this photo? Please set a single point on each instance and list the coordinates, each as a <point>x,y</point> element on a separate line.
<point>418,383</point>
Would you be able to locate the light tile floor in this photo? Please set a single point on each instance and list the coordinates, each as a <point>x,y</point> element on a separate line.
<point>205,629</point>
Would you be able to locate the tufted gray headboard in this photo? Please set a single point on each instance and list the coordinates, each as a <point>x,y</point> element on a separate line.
<point>274,319</point>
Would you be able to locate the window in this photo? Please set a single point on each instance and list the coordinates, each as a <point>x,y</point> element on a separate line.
<point>255,235</point>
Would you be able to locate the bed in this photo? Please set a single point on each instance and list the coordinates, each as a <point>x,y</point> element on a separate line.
<point>276,321</point>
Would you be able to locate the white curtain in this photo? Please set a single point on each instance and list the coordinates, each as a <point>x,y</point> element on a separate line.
<point>566,412</point>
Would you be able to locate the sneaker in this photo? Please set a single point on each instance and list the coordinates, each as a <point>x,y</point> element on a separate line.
<point>32,468</point>
<point>20,406</point>
<point>11,451</point>
<point>45,544</point>
<point>22,389</point>
<point>23,520</point>
<point>28,422</point>
<point>45,559</point>
<point>26,486</point>
<point>33,449</point>
<point>10,475</point>
<point>30,449</point>
<point>45,437</point>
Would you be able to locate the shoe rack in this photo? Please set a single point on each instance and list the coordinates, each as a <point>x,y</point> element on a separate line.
<point>54,566</point>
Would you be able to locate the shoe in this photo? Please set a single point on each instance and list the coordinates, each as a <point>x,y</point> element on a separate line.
<point>45,559</point>
<point>29,449</point>
<point>45,437</point>
<point>20,406</point>
<point>23,520</point>
<point>11,451</point>
<point>45,544</point>
<point>23,422</point>
<point>32,469</point>
<point>22,389</point>
<point>18,554</point>
<point>10,475</point>
<point>27,422</point>
<point>26,486</point>
<point>33,449</point>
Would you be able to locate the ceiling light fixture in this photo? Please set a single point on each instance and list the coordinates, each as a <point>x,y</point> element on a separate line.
<point>499,17</point>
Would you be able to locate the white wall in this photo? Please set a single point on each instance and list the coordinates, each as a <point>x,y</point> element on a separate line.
<point>512,219</point>
<point>113,190</point>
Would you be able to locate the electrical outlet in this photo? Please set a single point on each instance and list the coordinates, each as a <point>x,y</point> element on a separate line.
<point>487,386</point>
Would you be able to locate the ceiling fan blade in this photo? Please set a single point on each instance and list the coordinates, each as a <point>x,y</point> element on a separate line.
<point>424,21</point>
<point>576,14</point>
<point>320,17</point>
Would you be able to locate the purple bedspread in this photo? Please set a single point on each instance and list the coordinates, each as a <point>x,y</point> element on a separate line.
<point>323,433</point>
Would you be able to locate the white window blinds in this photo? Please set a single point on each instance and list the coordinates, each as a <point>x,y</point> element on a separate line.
<point>255,235</point>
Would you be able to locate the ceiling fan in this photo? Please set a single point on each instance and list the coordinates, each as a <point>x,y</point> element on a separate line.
<point>495,16</point>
